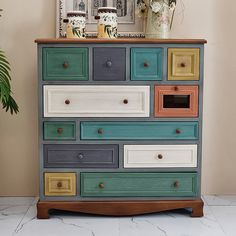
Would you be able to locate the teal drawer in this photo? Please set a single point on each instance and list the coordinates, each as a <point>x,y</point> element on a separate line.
<point>138,184</point>
<point>146,63</point>
<point>139,130</point>
<point>59,130</point>
<point>65,64</point>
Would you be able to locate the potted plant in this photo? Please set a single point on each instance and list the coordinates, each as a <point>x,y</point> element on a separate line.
<point>8,102</point>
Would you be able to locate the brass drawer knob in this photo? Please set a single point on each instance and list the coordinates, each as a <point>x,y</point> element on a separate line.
<point>126,101</point>
<point>109,64</point>
<point>81,156</point>
<point>160,156</point>
<point>100,131</point>
<point>65,65</point>
<point>182,64</point>
<point>101,185</point>
<point>59,130</point>
<point>176,184</point>
<point>145,64</point>
<point>59,184</point>
<point>67,101</point>
<point>178,131</point>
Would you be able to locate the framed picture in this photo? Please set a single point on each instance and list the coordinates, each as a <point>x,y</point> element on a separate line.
<point>129,24</point>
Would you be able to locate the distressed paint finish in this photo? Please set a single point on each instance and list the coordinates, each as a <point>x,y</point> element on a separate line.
<point>138,184</point>
<point>65,64</point>
<point>139,130</point>
<point>146,63</point>
<point>183,63</point>
<point>179,90</point>
<point>80,156</point>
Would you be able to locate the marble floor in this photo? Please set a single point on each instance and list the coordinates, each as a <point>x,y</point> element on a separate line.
<point>18,217</point>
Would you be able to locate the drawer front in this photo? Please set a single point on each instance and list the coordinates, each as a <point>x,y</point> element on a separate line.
<point>146,64</point>
<point>59,130</point>
<point>138,184</point>
<point>183,64</point>
<point>60,184</point>
<point>152,156</point>
<point>65,64</point>
<point>139,130</point>
<point>109,64</point>
<point>81,156</point>
<point>96,101</point>
<point>176,101</point>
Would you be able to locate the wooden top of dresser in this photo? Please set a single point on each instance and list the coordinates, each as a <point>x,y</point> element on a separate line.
<point>120,41</point>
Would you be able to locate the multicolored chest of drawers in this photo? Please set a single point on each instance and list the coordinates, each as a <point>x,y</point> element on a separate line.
<point>120,125</point>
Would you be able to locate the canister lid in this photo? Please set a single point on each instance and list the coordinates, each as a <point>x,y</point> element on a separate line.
<point>76,13</point>
<point>107,9</point>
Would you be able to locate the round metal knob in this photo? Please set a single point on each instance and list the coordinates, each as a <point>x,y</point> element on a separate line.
<point>101,185</point>
<point>176,88</point>
<point>109,64</point>
<point>183,64</point>
<point>81,156</point>
<point>67,101</point>
<point>100,131</point>
<point>145,64</point>
<point>65,65</point>
<point>176,184</point>
<point>178,131</point>
<point>160,156</point>
<point>59,184</point>
<point>126,101</point>
<point>59,130</point>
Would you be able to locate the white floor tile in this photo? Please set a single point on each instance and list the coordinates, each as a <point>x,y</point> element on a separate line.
<point>223,200</point>
<point>16,201</point>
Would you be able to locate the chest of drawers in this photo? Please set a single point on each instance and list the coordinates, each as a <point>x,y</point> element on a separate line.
<point>120,125</point>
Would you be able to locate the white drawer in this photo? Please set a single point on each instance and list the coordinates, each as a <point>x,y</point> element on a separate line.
<point>151,156</point>
<point>96,101</point>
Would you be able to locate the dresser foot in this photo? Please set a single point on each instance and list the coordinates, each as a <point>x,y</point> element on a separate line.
<point>120,208</point>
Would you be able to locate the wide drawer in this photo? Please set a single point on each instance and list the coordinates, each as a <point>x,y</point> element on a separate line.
<point>139,130</point>
<point>138,184</point>
<point>151,156</point>
<point>96,101</point>
<point>59,130</point>
<point>60,184</point>
<point>81,156</point>
<point>65,64</point>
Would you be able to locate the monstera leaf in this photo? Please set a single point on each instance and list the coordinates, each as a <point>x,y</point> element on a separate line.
<point>8,102</point>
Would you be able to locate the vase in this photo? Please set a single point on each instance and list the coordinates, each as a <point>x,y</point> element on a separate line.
<point>159,19</point>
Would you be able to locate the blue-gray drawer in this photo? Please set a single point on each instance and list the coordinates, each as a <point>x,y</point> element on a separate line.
<point>81,156</point>
<point>109,64</point>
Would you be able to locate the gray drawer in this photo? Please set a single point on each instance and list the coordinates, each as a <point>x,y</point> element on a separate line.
<point>109,64</point>
<point>81,156</point>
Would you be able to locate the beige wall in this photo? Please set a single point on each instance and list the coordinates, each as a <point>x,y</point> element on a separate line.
<point>26,20</point>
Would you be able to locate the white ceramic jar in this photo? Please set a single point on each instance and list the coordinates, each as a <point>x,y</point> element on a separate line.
<point>76,24</point>
<point>107,22</point>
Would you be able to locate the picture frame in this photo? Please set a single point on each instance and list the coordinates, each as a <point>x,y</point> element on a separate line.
<point>129,24</point>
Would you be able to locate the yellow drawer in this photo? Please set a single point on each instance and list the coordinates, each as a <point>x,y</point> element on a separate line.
<point>60,184</point>
<point>183,63</point>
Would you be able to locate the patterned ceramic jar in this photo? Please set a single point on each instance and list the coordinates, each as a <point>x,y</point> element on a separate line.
<point>76,22</point>
<point>107,22</point>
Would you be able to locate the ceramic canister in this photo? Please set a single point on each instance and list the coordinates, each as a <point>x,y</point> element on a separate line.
<point>76,22</point>
<point>107,22</point>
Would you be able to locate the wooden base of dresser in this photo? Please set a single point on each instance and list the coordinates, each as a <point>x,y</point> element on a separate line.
<point>119,208</point>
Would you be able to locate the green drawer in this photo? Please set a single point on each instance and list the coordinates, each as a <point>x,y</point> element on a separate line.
<point>59,130</point>
<point>65,64</point>
<point>138,184</point>
<point>139,130</point>
<point>146,63</point>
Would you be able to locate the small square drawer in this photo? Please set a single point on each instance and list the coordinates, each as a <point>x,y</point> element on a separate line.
<point>80,156</point>
<point>60,184</point>
<point>138,184</point>
<point>65,64</point>
<point>183,63</point>
<point>146,64</point>
<point>59,130</point>
<point>109,64</point>
<point>176,101</point>
<point>160,156</point>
